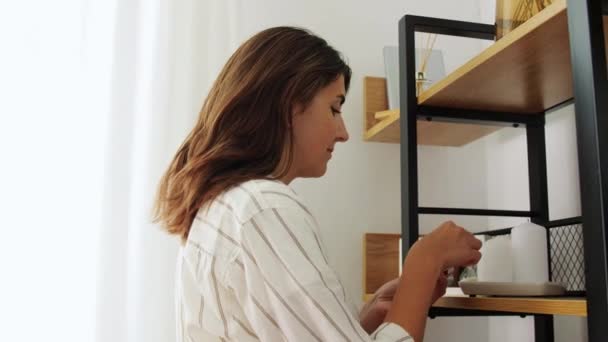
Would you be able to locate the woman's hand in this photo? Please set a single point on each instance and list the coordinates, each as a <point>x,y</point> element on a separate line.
<point>452,244</point>
<point>423,278</point>
<point>374,311</point>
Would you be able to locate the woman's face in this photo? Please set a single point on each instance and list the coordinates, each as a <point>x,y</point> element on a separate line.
<point>316,130</point>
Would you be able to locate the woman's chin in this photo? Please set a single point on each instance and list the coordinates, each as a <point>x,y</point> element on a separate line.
<point>315,173</point>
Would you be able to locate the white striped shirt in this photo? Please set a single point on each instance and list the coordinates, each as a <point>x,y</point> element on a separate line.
<point>254,269</point>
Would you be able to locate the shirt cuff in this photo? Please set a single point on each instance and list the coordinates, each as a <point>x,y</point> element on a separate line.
<point>391,332</point>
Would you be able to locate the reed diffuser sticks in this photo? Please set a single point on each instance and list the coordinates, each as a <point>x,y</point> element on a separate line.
<point>512,13</point>
<point>425,54</point>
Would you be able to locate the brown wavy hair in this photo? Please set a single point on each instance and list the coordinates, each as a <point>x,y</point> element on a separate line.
<point>243,130</point>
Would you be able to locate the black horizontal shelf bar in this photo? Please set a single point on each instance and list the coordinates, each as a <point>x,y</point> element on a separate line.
<point>456,312</point>
<point>479,117</point>
<point>452,27</point>
<point>495,232</point>
<point>564,222</point>
<point>475,212</point>
<point>550,224</point>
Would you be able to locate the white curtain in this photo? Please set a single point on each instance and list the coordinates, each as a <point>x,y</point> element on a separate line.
<point>166,54</point>
<point>95,98</point>
<point>50,175</point>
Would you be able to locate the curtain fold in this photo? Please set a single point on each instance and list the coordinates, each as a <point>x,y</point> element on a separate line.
<point>166,55</point>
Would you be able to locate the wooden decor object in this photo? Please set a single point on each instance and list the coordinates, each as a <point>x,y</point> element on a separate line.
<point>380,260</point>
<point>382,125</point>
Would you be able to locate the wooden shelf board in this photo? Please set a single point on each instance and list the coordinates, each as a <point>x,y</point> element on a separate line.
<point>527,71</point>
<point>550,306</point>
<point>429,133</point>
<point>572,306</point>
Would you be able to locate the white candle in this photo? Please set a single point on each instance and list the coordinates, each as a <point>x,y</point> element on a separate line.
<point>529,242</point>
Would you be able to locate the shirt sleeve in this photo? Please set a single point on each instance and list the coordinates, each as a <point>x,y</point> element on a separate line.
<point>287,289</point>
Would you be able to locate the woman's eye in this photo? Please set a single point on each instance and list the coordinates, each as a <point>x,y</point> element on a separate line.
<point>335,111</point>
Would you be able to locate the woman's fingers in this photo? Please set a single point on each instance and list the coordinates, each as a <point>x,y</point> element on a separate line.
<point>388,289</point>
<point>475,257</point>
<point>475,242</point>
<point>454,245</point>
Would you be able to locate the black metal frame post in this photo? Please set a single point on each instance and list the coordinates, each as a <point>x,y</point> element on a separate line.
<point>409,146</point>
<point>588,57</point>
<point>539,205</point>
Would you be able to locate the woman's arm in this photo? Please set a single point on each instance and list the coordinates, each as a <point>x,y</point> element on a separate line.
<point>447,246</point>
<point>413,297</point>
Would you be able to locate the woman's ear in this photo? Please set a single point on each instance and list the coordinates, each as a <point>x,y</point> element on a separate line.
<point>296,109</point>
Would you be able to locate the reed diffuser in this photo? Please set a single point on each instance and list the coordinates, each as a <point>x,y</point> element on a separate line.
<point>512,13</point>
<point>421,81</point>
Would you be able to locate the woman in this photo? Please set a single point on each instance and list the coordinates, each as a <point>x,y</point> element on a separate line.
<point>252,267</point>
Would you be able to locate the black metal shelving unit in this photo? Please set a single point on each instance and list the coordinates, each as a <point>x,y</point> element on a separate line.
<point>590,84</point>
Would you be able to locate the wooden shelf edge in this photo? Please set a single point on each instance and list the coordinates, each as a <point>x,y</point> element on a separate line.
<point>546,306</point>
<point>375,133</point>
<point>381,125</point>
<point>530,25</point>
<point>387,130</point>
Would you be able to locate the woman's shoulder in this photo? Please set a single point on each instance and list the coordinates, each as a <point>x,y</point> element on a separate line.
<point>252,197</point>
<point>217,226</point>
<point>238,205</point>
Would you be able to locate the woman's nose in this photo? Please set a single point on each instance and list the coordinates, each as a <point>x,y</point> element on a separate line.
<point>342,133</point>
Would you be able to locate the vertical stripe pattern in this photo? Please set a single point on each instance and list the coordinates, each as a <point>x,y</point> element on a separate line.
<point>217,296</point>
<point>254,270</point>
